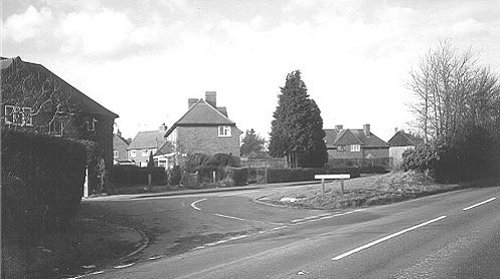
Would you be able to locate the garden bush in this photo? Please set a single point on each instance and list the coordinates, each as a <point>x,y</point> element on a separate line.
<point>235,177</point>
<point>306,174</point>
<point>127,175</point>
<point>51,169</point>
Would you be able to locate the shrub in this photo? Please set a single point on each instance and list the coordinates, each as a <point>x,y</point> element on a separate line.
<point>174,175</point>
<point>223,160</point>
<point>52,170</point>
<point>235,177</point>
<point>194,161</point>
<point>293,175</point>
<point>423,157</point>
<point>126,176</point>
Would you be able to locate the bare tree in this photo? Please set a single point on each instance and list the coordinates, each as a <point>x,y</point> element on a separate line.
<point>453,92</point>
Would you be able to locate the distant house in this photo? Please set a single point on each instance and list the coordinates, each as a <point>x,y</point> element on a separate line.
<point>399,143</point>
<point>37,100</point>
<point>144,143</point>
<point>119,148</point>
<point>354,144</point>
<point>204,128</point>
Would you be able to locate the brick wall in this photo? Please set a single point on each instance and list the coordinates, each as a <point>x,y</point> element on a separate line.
<point>206,140</point>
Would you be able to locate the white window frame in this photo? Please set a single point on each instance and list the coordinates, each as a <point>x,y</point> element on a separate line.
<point>19,116</point>
<point>132,153</point>
<point>9,114</point>
<point>115,154</point>
<point>56,123</point>
<point>27,118</point>
<point>224,131</point>
<point>91,124</point>
<point>355,148</point>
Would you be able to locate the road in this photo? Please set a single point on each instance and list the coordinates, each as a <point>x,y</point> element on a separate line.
<point>228,235</point>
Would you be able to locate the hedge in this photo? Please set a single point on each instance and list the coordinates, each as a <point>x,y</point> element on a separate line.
<point>51,173</point>
<point>306,174</point>
<point>127,176</point>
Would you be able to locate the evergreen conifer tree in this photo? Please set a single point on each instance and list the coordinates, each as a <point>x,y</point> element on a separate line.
<point>297,127</point>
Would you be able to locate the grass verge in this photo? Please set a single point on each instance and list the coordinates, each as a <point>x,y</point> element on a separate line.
<point>365,191</point>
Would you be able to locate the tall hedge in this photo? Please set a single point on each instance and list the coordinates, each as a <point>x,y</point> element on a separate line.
<point>51,172</point>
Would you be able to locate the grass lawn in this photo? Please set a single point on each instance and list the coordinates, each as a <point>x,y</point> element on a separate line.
<point>364,191</point>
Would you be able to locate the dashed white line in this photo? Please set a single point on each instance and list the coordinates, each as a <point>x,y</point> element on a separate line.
<point>385,238</point>
<point>193,205</point>
<point>478,204</point>
<point>231,217</point>
<point>278,228</point>
<point>123,266</point>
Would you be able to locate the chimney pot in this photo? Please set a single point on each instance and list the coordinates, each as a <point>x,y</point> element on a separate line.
<point>366,130</point>
<point>211,98</point>
<point>339,127</point>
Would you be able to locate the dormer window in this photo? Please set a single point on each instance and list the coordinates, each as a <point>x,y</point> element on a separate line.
<point>224,131</point>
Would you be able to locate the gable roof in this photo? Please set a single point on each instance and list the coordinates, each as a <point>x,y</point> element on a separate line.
<point>166,148</point>
<point>119,141</point>
<point>201,114</point>
<point>336,137</point>
<point>405,139</point>
<point>147,139</point>
<point>85,103</point>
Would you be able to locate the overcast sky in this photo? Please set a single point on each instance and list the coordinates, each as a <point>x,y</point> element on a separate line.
<point>143,59</point>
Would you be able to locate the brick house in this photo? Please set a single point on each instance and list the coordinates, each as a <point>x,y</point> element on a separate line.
<point>37,100</point>
<point>399,143</point>
<point>354,144</point>
<point>204,128</point>
<point>144,143</point>
<point>119,148</point>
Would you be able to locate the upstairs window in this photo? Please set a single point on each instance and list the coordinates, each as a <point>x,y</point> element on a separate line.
<point>115,154</point>
<point>340,148</point>
<point>355,148</point>
<point>91,124</point>
<point>224,131</point>
<point>132,153</point>
<point>56,127</point>
<point>15,115</point>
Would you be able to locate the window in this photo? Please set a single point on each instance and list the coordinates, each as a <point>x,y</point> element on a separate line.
<point>132,153</point>
<point>56,127</point>
<point>91,124</point>
<point>340,148</point>
<point>224,131</point>
<point>355,148</point>
<point>115,154</point>
<point>145,153</point>
<point>18,115</point>
<point>27,119</point>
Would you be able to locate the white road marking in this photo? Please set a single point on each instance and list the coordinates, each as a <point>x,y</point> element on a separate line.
<point>478,204</point>
<point>193,205</point>
<point>368,245</point>
<point>238,237</point>
<point>123,266</point>
<point>97,272</point>
<point>231,217</point>
<point>278,228</point>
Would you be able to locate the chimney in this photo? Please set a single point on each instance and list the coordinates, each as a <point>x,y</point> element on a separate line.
<point>191,102</point>
<point>211,98</point>
<point>163,128</point>
<point>366,130</point>
<point>339,127</point>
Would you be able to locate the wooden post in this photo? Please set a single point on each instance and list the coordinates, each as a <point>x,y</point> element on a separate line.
<point>342,186</point>
<point>86,184</point>
<point>150,178</point>
<point>214,177</point>
<point>323,185</point>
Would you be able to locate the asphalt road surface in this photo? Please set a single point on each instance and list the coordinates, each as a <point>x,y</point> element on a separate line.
<point>228,235</point>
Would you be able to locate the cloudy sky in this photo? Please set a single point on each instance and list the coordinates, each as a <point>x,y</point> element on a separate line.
<point>143,59</point>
